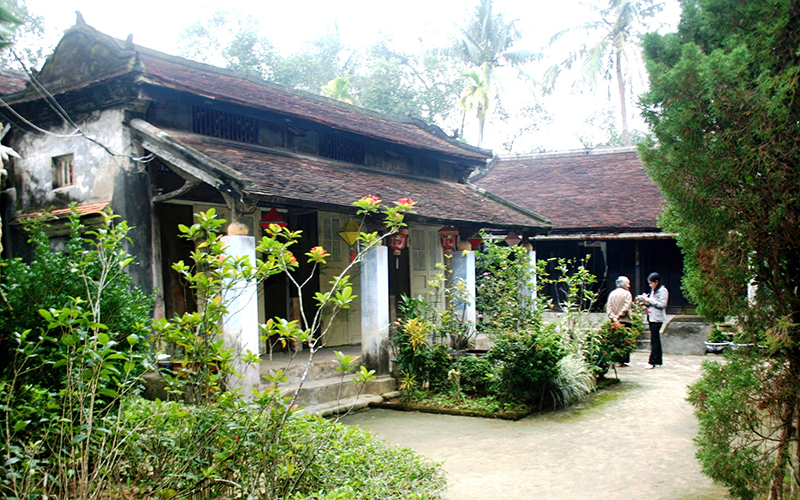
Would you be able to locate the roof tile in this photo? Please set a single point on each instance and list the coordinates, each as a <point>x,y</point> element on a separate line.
<point>580,191</point>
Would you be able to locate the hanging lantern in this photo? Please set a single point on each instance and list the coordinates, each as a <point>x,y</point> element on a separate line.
<point>398,241</point>
<point>475,241</point>
<point>349,233</point>
<point>272,217</point>
<point>512,239</point>
<point>448,236</point>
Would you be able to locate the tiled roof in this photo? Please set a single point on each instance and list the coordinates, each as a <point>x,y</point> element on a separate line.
<point>115,58</point>
<point>227,85</point>
<point>81,210</point>
<point>12,81</point>
<point>600,190</point>
<point>311,180</point>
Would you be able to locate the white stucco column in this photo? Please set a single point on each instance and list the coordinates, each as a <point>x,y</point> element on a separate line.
<point>240,324</point>
<point>464,272</point>
<point>532,284</point>
<point>375,309</point>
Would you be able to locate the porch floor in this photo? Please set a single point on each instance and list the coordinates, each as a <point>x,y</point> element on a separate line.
<point>283,359</point>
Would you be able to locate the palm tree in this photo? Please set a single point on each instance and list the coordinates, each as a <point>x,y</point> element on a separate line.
<point>339,89</point>
<point>620,26</point>
<point>487,43</point>
<point>475,96</point>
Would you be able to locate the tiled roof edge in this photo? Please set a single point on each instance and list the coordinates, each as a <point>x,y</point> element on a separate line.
<point>213,168</point>
<point>437,131</point>
<point>482,172</point>
<point>511,205</point>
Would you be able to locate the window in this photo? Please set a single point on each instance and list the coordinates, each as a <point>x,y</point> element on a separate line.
<point>224,125</point>
<point>331,241</point>
<point>341,148</point>
<point>63,171</point>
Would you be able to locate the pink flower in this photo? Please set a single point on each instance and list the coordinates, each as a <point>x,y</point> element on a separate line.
<point>317,254</point>
<point>371,199</point>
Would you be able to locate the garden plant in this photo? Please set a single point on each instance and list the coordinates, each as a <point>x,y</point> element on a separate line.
<point>88,434</point>
<point>531,364</point>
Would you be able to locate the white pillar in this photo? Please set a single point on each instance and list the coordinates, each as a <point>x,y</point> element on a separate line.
<point>532,285</point>
<point>375,309</point>
<point>464,272</point>
<point>240,324</point>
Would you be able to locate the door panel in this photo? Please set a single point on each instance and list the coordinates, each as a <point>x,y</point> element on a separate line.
<point>426,253</point>
<point>346,327</point>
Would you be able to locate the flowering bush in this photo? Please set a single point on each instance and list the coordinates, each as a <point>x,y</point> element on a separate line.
<point>612,343</point>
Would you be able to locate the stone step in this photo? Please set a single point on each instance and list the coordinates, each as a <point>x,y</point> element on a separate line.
<point>336,389</point>
<point>342,406</point>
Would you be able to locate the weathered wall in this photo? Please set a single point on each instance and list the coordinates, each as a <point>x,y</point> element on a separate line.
<point>95,169</point>
<point>99,176</point>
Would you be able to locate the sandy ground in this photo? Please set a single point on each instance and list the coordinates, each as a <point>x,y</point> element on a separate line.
<point>633,441</point>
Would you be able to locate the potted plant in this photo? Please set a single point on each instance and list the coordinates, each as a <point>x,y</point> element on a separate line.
<point>717,341</point>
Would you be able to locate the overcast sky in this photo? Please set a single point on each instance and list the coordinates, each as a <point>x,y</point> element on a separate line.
<point>157,24</point>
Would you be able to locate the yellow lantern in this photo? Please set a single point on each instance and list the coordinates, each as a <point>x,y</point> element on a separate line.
<point>349,233</point>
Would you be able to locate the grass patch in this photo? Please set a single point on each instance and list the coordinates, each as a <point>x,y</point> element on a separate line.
<point>608,390</point>
<point>432,402</point>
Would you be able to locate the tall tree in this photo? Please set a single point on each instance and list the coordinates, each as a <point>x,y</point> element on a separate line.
<point>486,43</point>
<point>27,36</point>
<point>230,38</point>
<point>419,84</point>
<point>724,110</point>
<point>475,97</point>
<point>615,41</point>
<point>339,89</point>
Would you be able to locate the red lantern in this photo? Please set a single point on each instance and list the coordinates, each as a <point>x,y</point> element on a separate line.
<point>512,239</point>
<point>398,241</point>
<point>272,217</point>
<point>448,236</point>
<point>475,240</point>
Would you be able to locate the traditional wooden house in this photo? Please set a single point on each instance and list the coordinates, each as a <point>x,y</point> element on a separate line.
<point>107,123</point>
<point>601,204</point>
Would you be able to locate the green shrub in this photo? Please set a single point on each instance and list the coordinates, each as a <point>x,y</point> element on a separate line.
<point>717,336</point>
<point>477,376</point>
<point>527,363</point>
<point>728,405</point>
<point>438,365</point>
<point>503,295</point>
<point>222,450</point>
<point>51,280</point>
<point>356,466</point>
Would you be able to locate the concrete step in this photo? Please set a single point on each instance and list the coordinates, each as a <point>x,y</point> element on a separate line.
<point>342,406</point>
<point>336,389</point>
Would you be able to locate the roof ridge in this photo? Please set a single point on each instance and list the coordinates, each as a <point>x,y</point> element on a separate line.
<point>569,153</point>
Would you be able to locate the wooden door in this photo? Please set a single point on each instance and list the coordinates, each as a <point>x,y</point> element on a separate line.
<point>346,327</point>
<point>426,253</point>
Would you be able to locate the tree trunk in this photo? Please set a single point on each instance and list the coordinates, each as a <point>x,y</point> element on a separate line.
<point>782,449</point>
<point>626,135</point>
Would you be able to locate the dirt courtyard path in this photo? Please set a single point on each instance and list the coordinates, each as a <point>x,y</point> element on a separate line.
<point>633,441</point>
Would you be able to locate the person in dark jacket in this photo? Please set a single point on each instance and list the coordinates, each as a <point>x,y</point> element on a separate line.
<point>656,302</point>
